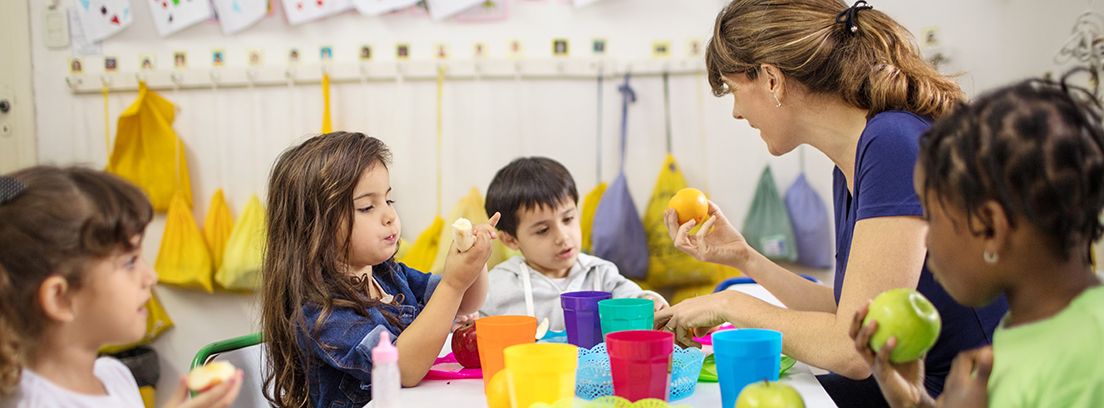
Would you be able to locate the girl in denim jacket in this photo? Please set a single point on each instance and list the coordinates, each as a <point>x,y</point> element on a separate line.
<point>331,285</point>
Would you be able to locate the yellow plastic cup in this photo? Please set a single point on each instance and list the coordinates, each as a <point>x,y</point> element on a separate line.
<point>494,333</point>
<point>543,372</point>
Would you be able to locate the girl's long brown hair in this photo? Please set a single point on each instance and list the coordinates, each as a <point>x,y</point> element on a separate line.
<point>310,209</point>
<point>62,219</point>
<point>878,67</point>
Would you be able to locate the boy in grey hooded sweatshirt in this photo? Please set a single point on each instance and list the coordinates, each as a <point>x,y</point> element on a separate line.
<point>540,218</point>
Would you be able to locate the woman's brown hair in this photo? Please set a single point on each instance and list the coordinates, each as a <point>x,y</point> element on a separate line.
<point>310,212</point>
<point>861,55</point>
<point>53,222</point>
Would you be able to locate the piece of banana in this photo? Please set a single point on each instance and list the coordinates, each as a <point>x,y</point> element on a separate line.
<point>462,234</point>
<point>204,377</point>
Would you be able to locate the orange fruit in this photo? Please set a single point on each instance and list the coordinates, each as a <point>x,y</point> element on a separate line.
<point>498,391</point>
<point>689,204</point>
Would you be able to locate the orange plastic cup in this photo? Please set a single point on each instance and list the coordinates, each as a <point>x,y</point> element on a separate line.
<point>494,333</point>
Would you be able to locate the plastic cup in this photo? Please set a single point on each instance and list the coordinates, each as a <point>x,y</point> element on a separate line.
<point>626,314</point>
<point>745,356</point>
<point>493,334</point>
<point>640,361</point>
<point>584,328</point>
<point>543,372</point>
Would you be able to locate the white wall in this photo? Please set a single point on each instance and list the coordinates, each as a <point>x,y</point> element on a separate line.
<point>234,135</point>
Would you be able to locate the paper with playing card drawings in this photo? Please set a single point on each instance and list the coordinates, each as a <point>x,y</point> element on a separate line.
<point>103,18</point>
<point>170,16</point>
<point>302,11</point>
<point>237,15</point>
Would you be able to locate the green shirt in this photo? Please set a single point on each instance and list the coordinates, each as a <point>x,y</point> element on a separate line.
<point>1057,362</point>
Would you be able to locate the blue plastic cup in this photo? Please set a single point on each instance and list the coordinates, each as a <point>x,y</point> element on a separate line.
<point>745,356</point>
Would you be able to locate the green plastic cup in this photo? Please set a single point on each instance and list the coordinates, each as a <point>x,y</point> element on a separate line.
<point>626,314</point>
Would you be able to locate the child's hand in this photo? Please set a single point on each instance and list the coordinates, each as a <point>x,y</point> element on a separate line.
<point>660,302</point>
<point>966,384</point>
<point>219,396</point>
<point>462,268</point>
<point>462,320</point>
<point>717,241</point>
<point>901,384</point>
<point>691,314</point>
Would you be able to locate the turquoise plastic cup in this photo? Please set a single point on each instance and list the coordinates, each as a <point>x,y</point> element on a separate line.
<point>626,314</point>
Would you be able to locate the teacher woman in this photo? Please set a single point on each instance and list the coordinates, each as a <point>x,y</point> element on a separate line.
<point>849,82</point>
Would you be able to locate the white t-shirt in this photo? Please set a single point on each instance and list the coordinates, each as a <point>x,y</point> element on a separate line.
<point>36,391</point>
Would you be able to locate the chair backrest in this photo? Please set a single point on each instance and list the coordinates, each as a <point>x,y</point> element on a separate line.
<point>247,353</point>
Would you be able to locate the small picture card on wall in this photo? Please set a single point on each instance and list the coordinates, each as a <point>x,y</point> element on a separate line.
<point>325,53</point>
<point>256,58</point>
<point>218,58</point>
<point>515,49</point>
<point>598,46</point>
<point>237,15</point>
<point>180,60</point>
<point>171,16</point>
<point>559,47</point>
<point>75,66</point>
<point>661,49</point>
<point>100,19</point>
<point>695,48</point>
<point>377,7</point>
<point>111,64</point>
<point>148,62</point>
<point>302,11</point>
<point>365,53</point>
<point>402,51</point>
<point>293,56</point>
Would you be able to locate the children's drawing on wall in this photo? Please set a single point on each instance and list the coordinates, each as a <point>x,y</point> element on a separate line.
<point>171,16</point>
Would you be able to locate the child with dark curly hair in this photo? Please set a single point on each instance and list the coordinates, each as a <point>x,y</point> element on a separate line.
<point>1013,187</point>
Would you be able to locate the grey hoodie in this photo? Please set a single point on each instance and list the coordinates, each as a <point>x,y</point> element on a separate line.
<point>506,289</point>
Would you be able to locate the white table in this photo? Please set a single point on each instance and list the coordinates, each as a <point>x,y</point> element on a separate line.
<point>469,393</point>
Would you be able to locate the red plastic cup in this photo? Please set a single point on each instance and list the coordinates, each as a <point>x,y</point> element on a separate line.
<point>640,361</point>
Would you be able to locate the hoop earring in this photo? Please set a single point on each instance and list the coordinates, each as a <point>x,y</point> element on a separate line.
<point>990,257</point>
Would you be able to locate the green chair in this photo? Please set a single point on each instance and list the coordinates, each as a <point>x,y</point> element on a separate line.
<point>209,351</point>
<point>247,353</point>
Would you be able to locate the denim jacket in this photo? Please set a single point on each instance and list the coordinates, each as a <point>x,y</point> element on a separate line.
<point>340,366</point>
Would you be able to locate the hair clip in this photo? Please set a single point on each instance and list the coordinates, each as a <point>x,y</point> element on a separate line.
<point>10,188</point>
<point>850,17</point>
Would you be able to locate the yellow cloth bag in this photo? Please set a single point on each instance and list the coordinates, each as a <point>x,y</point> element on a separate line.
<point>241,263</point>
<point>183,259</point>
<point>586,217</point>
<point>157,321</point>
<point>217,226</point>
<point>470,207</point>
<point>423,252</point>
<point>147,151</point>
<point>667,265</point>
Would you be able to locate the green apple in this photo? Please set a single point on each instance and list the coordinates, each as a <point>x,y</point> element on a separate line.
<point>908,316</point>
<point>768,394</point>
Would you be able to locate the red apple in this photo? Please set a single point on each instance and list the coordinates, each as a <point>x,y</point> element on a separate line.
<point>464,346</point>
